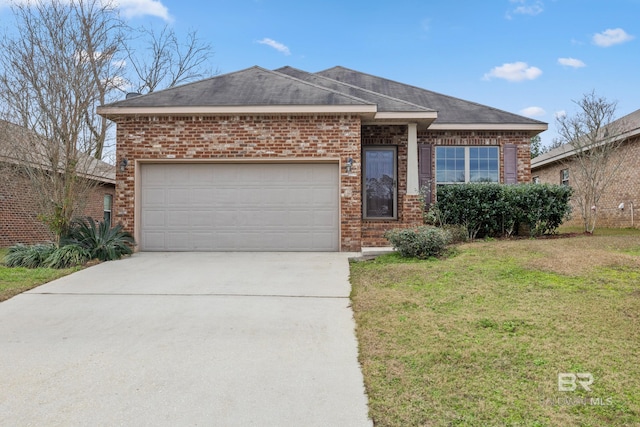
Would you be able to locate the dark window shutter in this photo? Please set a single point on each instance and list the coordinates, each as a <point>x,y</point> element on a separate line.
<point>424,170</point>
<point>510,164</point>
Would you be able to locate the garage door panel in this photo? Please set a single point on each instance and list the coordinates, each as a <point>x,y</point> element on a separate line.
<point>200,219</point>
<point>245,207</point>
<point>223,219</point>
<point>177,218</point>
<point>202,196</point>
<point>153,196</point>
<point>178,197</point>
<point>322,196</point>
<point>179,240</point>
<point>154,218</point>
<point>321,218</point>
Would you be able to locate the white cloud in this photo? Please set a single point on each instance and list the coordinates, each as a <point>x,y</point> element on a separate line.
<point>533,112</point>
<point>135,8</point>
<point>526,8</point>
<point>571,62</point>
<point>514,72</point>
<point>129,8</point>
<point>276,45</point>
<point>610,37</point>
<point>559,114</point>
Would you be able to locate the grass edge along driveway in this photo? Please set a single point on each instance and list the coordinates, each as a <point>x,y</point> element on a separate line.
<point>14,281</point>
<point>479,338</point>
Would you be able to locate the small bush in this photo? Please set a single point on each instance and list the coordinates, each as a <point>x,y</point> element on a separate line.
<point>67,256</point>
<point>422,242</point>
<point>28,256</point>
<point>100,239</point>
<point>458,233</point>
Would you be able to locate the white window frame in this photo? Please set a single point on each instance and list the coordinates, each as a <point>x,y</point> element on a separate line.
<point>564,177</point>
<point>467,162</point>
<point>104,207</point>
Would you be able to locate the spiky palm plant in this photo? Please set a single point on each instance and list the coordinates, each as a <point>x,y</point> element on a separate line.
<point>100,239</point>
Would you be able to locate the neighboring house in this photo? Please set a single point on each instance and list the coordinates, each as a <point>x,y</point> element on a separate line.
<point>19,207</point>
<point>619,205</point>
<point>287,160</point>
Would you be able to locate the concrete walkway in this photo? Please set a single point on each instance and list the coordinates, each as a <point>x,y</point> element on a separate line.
<point>178,339</point>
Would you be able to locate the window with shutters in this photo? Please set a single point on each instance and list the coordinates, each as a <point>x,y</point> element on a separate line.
<point>380,182</point>
<point>467,164</point>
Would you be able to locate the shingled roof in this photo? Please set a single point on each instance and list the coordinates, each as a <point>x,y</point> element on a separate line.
<point>20,146</point>
<point>338,89</point>
<point>384,102</point>
<point>450,110</point>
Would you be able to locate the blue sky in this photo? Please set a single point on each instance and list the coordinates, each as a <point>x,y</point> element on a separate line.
<point>531,57</point>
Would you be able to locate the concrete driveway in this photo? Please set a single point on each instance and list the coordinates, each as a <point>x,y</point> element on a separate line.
<point>229,339</point>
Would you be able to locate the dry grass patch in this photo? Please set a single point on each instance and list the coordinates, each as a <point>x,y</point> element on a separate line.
<point>480,337</point>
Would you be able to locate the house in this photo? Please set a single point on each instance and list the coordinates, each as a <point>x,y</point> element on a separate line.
<point>287,160</point>
<point>618,206</point>
<point>19,201</point>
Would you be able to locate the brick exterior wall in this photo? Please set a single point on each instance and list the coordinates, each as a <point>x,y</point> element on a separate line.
<point>290,137</point>
<point>19,210</point>
<point>624,188</point>
<point>260,137</point>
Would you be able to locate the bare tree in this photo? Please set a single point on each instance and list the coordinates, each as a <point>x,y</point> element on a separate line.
<point>594,139</point>
<point>54,71</point>
<point>62,60</point>
<point>166,61</point>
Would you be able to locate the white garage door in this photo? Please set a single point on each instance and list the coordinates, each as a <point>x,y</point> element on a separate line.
<point>239,207</point>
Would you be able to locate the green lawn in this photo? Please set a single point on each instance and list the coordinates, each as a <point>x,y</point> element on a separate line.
<point>479,338</point>
<point>16,280</point>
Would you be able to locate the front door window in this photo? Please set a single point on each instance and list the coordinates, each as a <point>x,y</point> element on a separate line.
<point>380,196</point>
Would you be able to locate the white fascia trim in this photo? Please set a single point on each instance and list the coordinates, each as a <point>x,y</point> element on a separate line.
<point>252,109</point>
<point>411,115</point>
<point>485,126</point>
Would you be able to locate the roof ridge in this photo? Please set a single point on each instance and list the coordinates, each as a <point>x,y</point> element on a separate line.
<point>422,107</point>
<point>363,101</point>
<point>431,91</point>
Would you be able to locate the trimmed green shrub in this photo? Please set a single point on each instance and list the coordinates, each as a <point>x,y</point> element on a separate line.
<point>28,256</point>
<point>100,240</point>
<point>67,256</point>
<point>421,242</point>
<point>500,210</point>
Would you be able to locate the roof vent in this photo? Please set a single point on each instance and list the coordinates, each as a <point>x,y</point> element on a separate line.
<point>132,95</point>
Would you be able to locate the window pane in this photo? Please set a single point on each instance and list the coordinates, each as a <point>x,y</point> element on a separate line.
<point>107,202</point>
<point>483,164</point>
<point>449,164</point>
<point>379,183</point>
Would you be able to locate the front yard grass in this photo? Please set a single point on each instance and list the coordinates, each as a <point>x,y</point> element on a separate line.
<point>17,280</point>
<point>479,338</point>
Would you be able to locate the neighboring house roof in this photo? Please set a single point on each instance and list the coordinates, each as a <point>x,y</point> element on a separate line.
<point>625,127</point>
<point>289,90</point>
<point>19,145</point>
<point>450,110</point>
